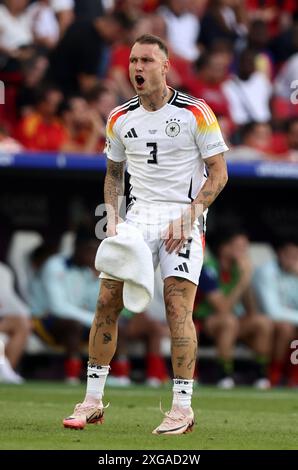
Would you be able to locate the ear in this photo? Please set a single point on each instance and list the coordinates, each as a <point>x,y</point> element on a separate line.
<point>166,66</point>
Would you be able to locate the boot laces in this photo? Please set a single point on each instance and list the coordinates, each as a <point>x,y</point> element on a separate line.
<point>85,407</point>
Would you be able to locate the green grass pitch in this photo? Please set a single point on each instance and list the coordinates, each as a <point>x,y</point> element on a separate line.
<point>239,419</point>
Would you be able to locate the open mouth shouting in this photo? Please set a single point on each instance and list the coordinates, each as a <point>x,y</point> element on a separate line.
<point>139,81</point>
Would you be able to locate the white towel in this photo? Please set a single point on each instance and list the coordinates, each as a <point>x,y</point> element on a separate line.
<point>127,257</point>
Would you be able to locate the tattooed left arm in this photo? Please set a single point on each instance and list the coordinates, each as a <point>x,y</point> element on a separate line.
<point>217,179</point>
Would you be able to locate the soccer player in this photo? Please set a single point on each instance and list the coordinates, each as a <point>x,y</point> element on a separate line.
<point>171,142</point>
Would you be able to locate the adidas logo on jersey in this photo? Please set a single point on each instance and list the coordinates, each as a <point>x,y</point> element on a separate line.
<point>182,267</point>
<point>131,134</point>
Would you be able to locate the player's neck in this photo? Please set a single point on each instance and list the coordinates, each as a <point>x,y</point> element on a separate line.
<point>157,100</point>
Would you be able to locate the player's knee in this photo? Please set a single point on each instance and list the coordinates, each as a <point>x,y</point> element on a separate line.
<point>106,302</point>
<point>174,310</point>
<point>177,317</point>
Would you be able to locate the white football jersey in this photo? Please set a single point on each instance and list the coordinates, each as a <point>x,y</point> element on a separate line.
<point>164,149</point>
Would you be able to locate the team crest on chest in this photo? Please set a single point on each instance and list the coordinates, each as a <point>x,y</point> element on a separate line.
<point>172,128</point>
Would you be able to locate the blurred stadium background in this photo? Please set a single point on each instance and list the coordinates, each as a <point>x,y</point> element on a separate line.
<point>63,67</point>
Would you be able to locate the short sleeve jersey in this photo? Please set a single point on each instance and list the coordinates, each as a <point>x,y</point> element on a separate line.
<point>164,149</point>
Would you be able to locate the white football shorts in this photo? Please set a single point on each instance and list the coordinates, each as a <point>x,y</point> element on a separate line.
<point>187,263</point>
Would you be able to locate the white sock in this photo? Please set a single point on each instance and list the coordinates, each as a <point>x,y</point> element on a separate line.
<point>182,392</point>
<point>96,380</point>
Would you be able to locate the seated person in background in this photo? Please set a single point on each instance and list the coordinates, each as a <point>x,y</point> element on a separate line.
<point>58,301</point>
<point>248,92</point>
<point>84,127</point>
<point>225,282</point>
<point>16,35</point>
<point>276,287</point>
<point>33,72</point>
<point>41,129</point>
<point>44,24</point>
<point>15,323</point>
<point>257,143</point>
<point>64,11</point>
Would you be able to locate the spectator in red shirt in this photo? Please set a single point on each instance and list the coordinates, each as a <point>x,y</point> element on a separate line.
<point>258,143</point>
<point>212,70</point>
<point>41,129</point>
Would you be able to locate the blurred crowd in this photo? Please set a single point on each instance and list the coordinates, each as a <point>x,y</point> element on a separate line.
<point>242,298</point>
<point>64,64</point>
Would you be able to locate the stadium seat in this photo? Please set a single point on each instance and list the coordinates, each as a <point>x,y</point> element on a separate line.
<point>21,245</point>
